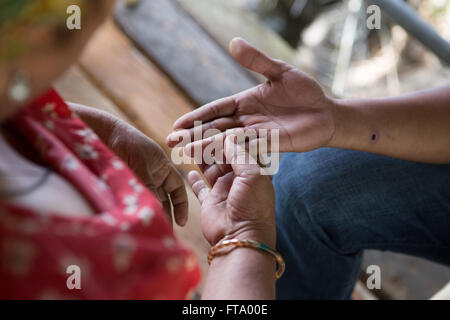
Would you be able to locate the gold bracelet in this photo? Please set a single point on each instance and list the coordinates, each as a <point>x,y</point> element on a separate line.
<point>249,244</point>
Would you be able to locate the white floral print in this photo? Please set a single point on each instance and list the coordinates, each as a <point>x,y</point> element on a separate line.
<point>137,187</point>
<point>69,163</point>
<point>124,247</point>
<point>49,125</point>
<point>117,164</point>
<point>49,109</point>
<point>88,135</point>
<point>131,204</point>
<point>169,242</point>
<point>109,219</point>
<point>146,215</point>
<point>86,151</point>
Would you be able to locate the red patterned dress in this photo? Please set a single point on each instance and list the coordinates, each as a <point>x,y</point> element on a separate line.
<point>126,251</point>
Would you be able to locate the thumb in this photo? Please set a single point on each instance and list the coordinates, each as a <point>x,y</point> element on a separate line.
<point>253,59</point>
<point>241,161</point>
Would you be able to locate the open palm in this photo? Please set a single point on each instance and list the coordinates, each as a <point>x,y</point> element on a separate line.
<point>289,101</point>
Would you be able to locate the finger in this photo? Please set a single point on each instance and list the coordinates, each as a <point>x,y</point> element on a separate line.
<point>199,186</point>
<point>253,59</point>
<point>214,172</point>
<point>221,188</point>
<point>180,205</point>
<point>196,149</point>
<point>258,147</point>
<point>151,186</point>
<point>181,137</point>
<point>242,163</point>
<point>174,187</point>
<point>217,109</point>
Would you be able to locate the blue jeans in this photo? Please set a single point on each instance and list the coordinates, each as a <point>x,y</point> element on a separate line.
<point>332,204</point>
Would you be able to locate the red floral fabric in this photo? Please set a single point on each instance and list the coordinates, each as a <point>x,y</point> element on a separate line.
<point>126,251</point>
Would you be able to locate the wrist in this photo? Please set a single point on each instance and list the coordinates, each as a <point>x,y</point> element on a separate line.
<point>250,259</point>
<point>265,235</point>
<point>336,110</point>
<point>249,266</point>
<point>241,273</point>
<point>252,256</point>
<point>346,119</point>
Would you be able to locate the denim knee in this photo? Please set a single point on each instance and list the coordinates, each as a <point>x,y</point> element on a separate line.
<point>352,200</point>
<point>311,198</point>
<point>298,184</point>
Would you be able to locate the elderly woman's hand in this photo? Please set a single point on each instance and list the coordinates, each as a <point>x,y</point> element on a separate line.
<point>241,202</point>
<point>145,157</point>
<point>240,205</point>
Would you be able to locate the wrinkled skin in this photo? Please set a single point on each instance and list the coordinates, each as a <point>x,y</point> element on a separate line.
<point>241,202</point>
<point>144,156</point>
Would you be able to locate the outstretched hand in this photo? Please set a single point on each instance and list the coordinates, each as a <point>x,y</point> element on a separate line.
<point>289,101</point>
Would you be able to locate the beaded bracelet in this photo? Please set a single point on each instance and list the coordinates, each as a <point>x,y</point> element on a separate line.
<point>249,244</point>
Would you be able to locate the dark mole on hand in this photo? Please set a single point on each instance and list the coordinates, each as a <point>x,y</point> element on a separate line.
<point>374,137</point>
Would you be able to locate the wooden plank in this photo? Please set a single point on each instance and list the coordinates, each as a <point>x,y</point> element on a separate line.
<point>406,277</point>
<point>169,36</point>
<point>143,93</point>
<point>224,21</point>
<point>73,86</point>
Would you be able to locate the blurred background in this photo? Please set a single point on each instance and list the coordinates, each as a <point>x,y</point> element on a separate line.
<point>381,62</point>
<point>155,60</point>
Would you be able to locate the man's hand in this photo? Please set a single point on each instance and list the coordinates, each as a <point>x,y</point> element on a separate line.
<point>145,157</point>
<point>289,101</point>
<point>241,203</point>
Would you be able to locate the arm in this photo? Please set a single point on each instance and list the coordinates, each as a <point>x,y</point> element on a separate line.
<point>413,127</point>
<point>143,155</point>
<point>240,205</point>
<point>242,274</point>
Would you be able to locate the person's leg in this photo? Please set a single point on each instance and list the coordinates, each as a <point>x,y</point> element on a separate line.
<point>331,204</point>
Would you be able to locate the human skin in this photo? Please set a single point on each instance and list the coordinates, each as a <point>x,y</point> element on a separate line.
<point>142,155</point>
<point>413,127</point>
<point>239,205</point>
<point>229,209</point>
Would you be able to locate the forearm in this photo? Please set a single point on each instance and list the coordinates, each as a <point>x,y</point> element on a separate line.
<point>242,274</point>
<point>98,120</point>
<point>413,127</point>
